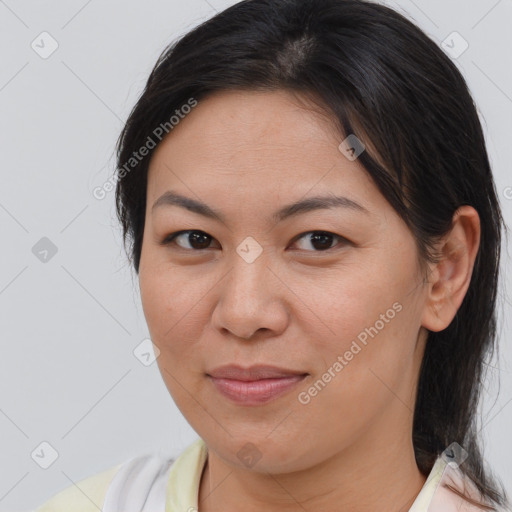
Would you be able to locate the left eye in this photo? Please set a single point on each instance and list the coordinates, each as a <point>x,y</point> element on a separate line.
<point>321,240</point>
<point>199,240</point>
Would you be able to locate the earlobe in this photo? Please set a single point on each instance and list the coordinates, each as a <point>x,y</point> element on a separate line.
<point>450,277</point>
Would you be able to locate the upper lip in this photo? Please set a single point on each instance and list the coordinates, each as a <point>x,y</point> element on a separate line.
<point>256,372</point>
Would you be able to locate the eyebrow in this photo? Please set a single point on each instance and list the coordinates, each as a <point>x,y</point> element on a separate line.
<point>171,198</point>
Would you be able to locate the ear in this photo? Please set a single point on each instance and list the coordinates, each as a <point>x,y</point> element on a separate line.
<point>450,277</point>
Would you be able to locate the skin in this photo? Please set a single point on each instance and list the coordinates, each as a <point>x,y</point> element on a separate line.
<point>246,154</point>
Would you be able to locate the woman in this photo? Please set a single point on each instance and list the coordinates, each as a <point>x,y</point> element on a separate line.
<point>314,223</point>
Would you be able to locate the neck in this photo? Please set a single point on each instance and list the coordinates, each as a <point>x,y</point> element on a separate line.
<point>372,474</point>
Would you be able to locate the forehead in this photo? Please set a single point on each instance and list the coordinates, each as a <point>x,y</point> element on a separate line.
<point>253,142</point>
<point>258,115</point>
<point>250,120</point>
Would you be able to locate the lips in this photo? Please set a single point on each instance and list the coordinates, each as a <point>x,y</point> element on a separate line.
<point>257,372</point>
<point>255,385</point>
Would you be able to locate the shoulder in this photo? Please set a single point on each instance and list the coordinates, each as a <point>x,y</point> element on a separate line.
<point>458,493</point>
<point>135,483</point>
<point>87,495</point>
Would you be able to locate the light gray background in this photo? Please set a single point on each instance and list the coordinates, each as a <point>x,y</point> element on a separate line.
<point>69,326</point>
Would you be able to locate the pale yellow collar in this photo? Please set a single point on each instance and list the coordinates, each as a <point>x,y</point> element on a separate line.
<point>424,498</point>
<point>184,477</point>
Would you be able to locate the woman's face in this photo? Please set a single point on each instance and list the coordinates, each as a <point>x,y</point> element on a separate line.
<point>344,308</point>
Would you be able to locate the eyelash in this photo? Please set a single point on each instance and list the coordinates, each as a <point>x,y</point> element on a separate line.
<point>170,239</point>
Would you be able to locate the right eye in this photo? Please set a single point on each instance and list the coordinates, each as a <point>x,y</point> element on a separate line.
<point>197,240</point>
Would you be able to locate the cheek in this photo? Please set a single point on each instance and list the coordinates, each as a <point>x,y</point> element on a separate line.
<point>172,323</point>
<point>363,326</point>
<point>175,316</point>
<point>158,309</point>
<point>340,310</point>
<point>160,295</point>
<point>358,380</point>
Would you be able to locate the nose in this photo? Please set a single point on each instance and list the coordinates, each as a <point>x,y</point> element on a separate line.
<point>251,298</point>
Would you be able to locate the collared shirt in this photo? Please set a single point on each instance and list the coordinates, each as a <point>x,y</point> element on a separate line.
<point>151,484</point>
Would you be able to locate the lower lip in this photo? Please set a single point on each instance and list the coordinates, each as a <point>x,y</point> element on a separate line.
<point>255,392</point>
